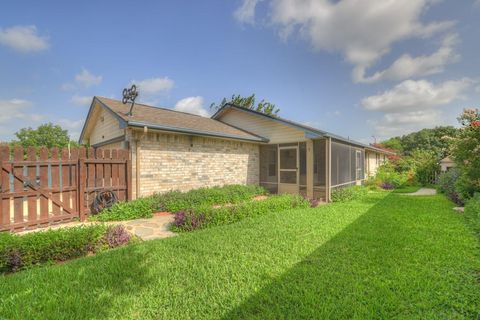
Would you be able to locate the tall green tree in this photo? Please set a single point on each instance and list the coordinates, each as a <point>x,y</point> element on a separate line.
<point>466,153</point>
<point>248,103</point>
<point>437,140</point>
<point>47,135</point>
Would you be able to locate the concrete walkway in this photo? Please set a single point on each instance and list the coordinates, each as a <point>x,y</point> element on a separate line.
<point>423,192</point>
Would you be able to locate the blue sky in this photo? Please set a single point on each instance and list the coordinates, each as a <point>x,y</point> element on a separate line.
<point>357,68</point>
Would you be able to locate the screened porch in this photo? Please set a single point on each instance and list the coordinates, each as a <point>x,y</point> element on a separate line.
<point>301,167</point>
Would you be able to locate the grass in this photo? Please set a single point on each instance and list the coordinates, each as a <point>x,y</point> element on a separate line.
<point>407,189</point>
<point>381,257</point>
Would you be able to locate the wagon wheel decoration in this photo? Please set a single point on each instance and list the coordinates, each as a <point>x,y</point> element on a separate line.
<point>103,200</point>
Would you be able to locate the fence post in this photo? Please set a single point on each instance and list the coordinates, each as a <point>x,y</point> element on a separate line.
<point>128,165</point>
<point>81,176</point>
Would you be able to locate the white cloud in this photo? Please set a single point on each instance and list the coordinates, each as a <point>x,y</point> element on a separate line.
<point>67,87</point>
<point>407,66</point>
<point>154,85</point>
<point>476,3</point>
<point>414,95</point>
<point>81,100</point>
<point>16,114</point>
<point>363,31</point>
<point>246,12</point>
<point>87,79</point>
<point>192,105</point>
<point>394,124</point>
<point>23,39</point>
<point>73,126</point>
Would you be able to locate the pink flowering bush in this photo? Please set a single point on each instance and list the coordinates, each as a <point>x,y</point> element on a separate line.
<point>466,153</point>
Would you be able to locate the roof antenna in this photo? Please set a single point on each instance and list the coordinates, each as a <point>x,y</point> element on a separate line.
<point>129,95</point>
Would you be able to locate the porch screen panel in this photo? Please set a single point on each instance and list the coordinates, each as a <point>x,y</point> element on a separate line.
<point>319,163</point>
<point>302,149</point>
<point>268,167</point>
<point>341,164</point>
<point>348,164</point>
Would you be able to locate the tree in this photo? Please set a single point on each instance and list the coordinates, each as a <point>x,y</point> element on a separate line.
<point>47,135</point>
<point>437,140</point>
<point>248,103</point>
<point>465,150</point>
<point>393,144</point>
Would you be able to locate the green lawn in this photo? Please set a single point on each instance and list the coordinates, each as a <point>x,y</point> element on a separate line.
<point>382,257</point>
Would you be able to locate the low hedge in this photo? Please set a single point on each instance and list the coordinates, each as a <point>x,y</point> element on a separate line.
<point>204,216</point>
<point>472,213</point>
<point>174,201</point>
<point>348,193</point>
<point>136,209</point>
<point>22,251</point>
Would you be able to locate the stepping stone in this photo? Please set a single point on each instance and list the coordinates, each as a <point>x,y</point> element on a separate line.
<point>143,232</point>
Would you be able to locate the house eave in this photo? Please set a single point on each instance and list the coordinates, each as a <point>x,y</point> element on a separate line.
<point>139,124</point>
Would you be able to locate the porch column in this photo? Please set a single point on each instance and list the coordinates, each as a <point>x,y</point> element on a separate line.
<point>309,164</point>
<point>328,172</point>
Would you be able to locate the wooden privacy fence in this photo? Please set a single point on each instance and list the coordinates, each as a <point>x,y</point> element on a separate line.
<point>39,187</point>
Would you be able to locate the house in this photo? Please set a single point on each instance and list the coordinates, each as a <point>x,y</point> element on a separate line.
<point>446,164</point>
<point>173,150</point>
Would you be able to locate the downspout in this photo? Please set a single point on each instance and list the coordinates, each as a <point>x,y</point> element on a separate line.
<point>138,140</point>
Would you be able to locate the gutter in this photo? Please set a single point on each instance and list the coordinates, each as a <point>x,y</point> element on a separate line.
<point>193,132</point>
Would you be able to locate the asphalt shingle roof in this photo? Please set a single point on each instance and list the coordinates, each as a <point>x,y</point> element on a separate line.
<point>171,120</point>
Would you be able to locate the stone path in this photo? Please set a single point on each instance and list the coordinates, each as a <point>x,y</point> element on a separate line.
<point>156,227</point>
<point>423,192</point>
<point>152,228</point>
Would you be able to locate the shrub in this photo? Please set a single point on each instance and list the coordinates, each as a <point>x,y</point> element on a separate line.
<point>206,216</point>
<point>472,213</point>
<point>388,178</point>
<point>466,153</point>
<point>387,186</point>
<point>176,201</point>
<point>447,182</point>
<point>22,251</point>
<point>116,236</point>
<point>136,209</point>
<point>348,193</point>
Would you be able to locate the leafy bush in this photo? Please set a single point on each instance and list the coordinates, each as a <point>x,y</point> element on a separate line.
<point>387,186</point>
<point>22,251</point>
<point>388,178</point>
<point>466,153</point>
<point>116,236</point>
<point>447,182</point>
<point>207,216</point>
<point>472,213</point>
<point>175,200</point>
<point>136,209</point>
<point>348,193</point>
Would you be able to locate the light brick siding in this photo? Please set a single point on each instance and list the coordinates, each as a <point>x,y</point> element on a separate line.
<point>180,162</point>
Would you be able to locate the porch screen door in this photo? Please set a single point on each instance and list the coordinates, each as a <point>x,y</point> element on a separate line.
<point>288,170</point>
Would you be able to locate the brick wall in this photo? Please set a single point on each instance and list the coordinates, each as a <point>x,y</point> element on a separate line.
<point>180,162</point>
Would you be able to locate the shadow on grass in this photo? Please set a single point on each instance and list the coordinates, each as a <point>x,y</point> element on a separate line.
<point>80,289</point>
<point>391,262</point>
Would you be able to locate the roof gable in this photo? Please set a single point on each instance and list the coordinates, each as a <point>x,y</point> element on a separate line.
<point>309,132</point>
<point>169,120</point>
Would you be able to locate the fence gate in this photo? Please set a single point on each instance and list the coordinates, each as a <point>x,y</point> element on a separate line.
<point>41,187</point>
